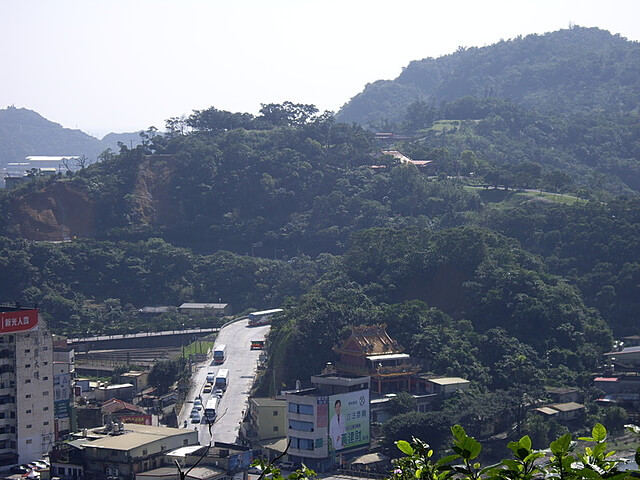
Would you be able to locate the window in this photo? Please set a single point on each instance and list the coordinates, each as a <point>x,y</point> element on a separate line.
<point>29,441</point>
<point>28,380</point>
<point>27,365</point>
<point>28,411</point>
<point>301,408</point>
<point>46,423</point>
<point>45,393</point>
<point>144,452</point>
<point>46,408</point>
<point>27,350</point>
<point>29,425</point>
<point>45,378</point>
<point>275,413</point>
<point>275,428</point>
<point>301,426</point>
<point>46,363</point>
<point>302,443</point>
<point>28,395</point>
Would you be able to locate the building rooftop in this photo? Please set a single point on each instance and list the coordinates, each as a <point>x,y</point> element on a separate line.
<point>388,356</point>
<point>114,405</point>
<point>133,436</point>
<point>561,391</point>
<point>369,340</point>
<point>448,380</point>
<point>567,407</point>
<point>50,158</point>
<point>184,451</point>
<point>547,411</point>
<point>624,351</point>
<point>204,472</point>
<point>203,305</point>
<point>118,386</point>
<point>268,402</point>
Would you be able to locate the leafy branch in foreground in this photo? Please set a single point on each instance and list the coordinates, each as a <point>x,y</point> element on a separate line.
<point>270,471</point>
<point>557,462</point>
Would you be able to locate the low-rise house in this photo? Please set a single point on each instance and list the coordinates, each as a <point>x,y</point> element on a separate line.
<point>139,379</point>
<point>564,395</point>
<point>562,411</point>
<point>218,309</point>
<point>124,391</point>
<point>628,356</point>
<point>119,451</point>
<point>623,390</point>
<point>266,419</point>
<point>447,386</point>
<point>119,410</point>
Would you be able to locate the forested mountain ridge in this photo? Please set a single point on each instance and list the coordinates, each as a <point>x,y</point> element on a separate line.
<point>569,71</point>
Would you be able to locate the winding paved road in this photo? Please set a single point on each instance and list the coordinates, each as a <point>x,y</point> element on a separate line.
<point>242,364</point>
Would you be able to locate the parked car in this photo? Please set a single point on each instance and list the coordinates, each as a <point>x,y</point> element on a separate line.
<point>195,418</point>
<point>289,466</point>
<point>218,392</point>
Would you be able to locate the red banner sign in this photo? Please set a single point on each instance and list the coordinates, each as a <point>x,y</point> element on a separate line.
<point>139,419</point>
<point>18,321</point>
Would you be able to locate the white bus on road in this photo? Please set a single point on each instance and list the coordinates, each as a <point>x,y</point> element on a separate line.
<point>219,354</point>
<point>222,379</point>
<point>210,409</point>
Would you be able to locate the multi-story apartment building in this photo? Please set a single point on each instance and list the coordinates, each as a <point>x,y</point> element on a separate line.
<point>26,386</point>
<point>330,421</point>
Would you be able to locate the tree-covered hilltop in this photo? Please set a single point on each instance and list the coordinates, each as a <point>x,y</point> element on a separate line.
<point>585,152</point>
<point>464,302</point>
<point>564,72</point>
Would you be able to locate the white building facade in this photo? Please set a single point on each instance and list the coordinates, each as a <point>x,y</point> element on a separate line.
<point>26,386</point>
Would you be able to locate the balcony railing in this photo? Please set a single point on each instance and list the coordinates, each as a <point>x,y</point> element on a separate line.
<point>391,370</point>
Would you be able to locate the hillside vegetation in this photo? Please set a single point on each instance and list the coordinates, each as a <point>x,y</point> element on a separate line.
<point>293,208</point>
<point>565,102</point>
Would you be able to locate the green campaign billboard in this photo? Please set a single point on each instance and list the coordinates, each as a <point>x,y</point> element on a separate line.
<point>349,420</point>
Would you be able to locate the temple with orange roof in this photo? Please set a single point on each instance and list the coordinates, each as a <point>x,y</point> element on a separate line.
<point>371,351</point>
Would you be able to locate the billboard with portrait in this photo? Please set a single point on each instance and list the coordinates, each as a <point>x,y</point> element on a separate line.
<point>349,420</point>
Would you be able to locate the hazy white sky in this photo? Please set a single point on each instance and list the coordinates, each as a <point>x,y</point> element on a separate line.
<point>124,65</point>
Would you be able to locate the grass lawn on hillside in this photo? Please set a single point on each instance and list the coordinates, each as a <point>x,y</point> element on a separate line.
<point>518,196</point>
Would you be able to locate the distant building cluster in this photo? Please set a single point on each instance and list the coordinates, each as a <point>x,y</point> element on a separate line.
<point>16,173</point>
